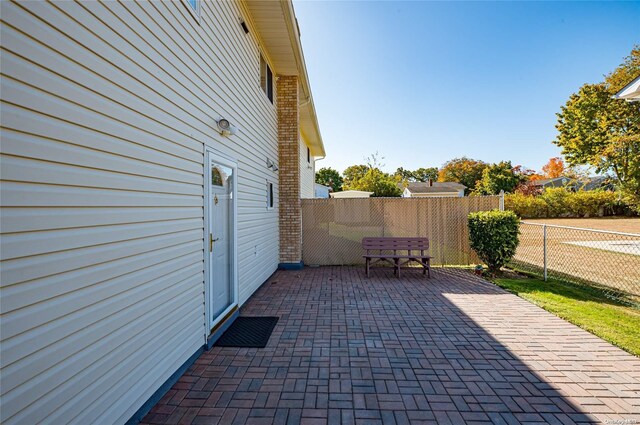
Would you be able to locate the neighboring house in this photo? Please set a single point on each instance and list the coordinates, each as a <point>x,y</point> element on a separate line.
<point>322,191</point>
<point>351,194</point>
<point>551,182</point>
<point>590,183</point>
<point>594,183</point>
<point>153,159</point>
<point>432,189</point>
<point>630,92</point>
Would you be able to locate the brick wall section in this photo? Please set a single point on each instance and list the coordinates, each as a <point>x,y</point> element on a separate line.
<point>289,174</point>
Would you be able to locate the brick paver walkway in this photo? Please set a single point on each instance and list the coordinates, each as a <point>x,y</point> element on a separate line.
<point>454,349</point>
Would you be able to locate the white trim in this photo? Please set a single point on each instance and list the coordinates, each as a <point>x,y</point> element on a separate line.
<point>210,154</point>
<point>195,13</point>
<point>630,92</point>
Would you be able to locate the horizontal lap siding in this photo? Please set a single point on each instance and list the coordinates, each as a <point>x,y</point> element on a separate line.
<point>106,110</point>
<point>307,173</point>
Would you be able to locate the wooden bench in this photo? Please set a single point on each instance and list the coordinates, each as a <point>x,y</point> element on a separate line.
<point>398,252</point>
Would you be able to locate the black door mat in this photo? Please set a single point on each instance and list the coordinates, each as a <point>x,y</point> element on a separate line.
<point>248,332</point>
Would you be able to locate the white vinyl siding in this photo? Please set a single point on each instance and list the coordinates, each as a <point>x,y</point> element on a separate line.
<point>106,109</point>
<point>307,173</point>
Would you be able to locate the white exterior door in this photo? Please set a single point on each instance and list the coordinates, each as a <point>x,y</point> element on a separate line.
<point>221,239</point>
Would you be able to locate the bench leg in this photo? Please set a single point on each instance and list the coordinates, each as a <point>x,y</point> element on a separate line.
<point>366,267</point>
<point>397,261</point>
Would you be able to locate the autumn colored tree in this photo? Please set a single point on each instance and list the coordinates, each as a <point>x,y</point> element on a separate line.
<point>554,168</point>
<point>626,72</point>
<point>535,176</point>
<point>329,177</point>
<point>524,173</point>
<point>598,130</point>
<point>529,188</point>
<point>463,170</point>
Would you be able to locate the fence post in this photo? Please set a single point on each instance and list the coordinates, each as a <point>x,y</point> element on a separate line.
<point>501,200</point>
<point>544,250</point>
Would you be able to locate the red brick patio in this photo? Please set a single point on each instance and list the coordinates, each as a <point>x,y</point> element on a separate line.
<point>450,350</point>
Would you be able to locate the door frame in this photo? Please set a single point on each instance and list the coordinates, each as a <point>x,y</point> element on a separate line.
<point>210,154</point>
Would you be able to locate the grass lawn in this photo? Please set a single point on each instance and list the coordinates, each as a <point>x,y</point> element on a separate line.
<point>613,322</point>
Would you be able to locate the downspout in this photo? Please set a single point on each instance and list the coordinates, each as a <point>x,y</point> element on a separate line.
<point>300,106</point>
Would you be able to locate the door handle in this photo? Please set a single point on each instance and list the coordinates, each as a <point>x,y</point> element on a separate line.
<point>211,241</point>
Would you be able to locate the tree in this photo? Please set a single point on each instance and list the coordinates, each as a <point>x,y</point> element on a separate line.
<point>528,188</point>
<point>419,175</point>
<point>626,72</point>
<point>554,168</point>
<point>426,174</point>
<point>371,178</point>
<point>374,160</point>
<point>378,182</point>
<point>597,130</point>
<point>402,174</point>
<point>352,174</point>
<point>497,177</point>
<point>524,173</point>
<point>462,170</point>
<point>329,177</point>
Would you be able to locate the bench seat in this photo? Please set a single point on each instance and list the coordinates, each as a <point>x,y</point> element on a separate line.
<point>385,249</point>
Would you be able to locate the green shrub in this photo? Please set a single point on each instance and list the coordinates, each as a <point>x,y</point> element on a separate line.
<point>593,203</point>
<point>494,236</point>
<point>528,206</point>
<point>558,202</point>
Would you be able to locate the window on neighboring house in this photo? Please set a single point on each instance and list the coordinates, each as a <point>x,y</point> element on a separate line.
<point>269,195</point>
<point>266,79</point>
<point>308,155</point>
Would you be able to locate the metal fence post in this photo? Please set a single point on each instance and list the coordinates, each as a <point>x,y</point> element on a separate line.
<point>501,200</point>
<point>604,260</point>
<point>544,250</point>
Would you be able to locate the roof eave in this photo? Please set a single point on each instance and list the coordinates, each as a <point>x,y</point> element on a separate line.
<point>630,92</point>
<point>308,119</point>
<point>275,22</point>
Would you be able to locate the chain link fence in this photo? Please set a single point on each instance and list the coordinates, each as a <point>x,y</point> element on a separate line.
<point>332,229</point>
<point>606,261</point>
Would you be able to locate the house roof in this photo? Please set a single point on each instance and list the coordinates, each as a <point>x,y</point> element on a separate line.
<point>278,32</point>
<point>351,194</point>
<point>552,181</point>
<point>437,187</point>
<point>453,185</point>
<point>433,189</point>
<point>594,182</point>
<point>630,92</point>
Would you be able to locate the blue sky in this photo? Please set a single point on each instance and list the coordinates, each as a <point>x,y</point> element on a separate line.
<point>424,82</point>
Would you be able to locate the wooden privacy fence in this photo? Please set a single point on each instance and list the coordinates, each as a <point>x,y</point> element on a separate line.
<point>332,229</point>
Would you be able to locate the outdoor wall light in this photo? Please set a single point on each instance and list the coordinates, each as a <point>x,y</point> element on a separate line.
<point>225,128</point>
<point>272,165</point>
